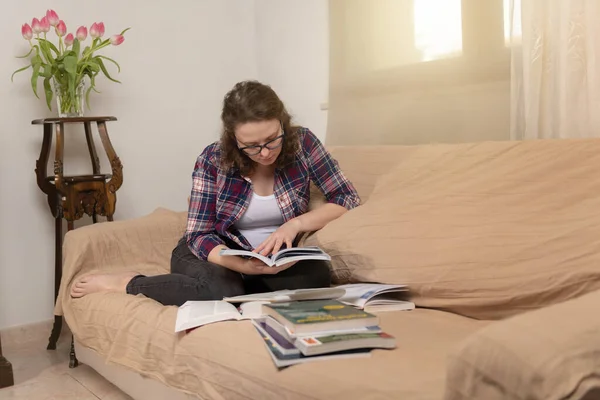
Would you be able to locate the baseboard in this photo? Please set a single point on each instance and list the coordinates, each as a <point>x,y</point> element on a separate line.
<point>37,332</point>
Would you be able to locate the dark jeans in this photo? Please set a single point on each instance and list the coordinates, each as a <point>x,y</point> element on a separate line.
<point>195,279</point>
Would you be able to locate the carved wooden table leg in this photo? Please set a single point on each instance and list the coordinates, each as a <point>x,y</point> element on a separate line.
<point>54,202</point>
<point>117,171</point>
<point>93,156</point>
<point>57,277</point>
<point>73,361</point>
<point>59,190</point>
<point>6,372</point>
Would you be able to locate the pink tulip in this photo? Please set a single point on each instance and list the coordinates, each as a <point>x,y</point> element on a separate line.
<point>27,32</point>
<point>69,39</point>
<point>36,26</point>
<point>97,30</point>
<point>61,29</point>
<point>45,25</point>
<point>82,33</point>
<point>116,40</point>
<point>52,17</point>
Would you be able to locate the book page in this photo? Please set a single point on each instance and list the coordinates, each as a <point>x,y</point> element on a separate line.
<point>281,296</point>
<point>298,251</point>
<point>246,253</point>
<point>197,313</point>
<point>358,294</point>
<point>252,309</point>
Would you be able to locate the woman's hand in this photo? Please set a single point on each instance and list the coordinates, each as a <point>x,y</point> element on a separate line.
<point>285,234</point>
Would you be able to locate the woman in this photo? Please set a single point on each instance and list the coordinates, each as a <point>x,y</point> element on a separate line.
<point>250,191</point>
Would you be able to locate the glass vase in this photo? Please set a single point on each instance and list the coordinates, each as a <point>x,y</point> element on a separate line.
<point>70,105</point>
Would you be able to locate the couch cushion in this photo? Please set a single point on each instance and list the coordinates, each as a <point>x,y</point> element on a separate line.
<point>228,360</point>
<point>486,230</point>
<point>548,354</point>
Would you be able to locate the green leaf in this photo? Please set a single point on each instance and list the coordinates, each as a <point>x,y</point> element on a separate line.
<point>51,46</point>
<point>76,47</point>
<point>91,65</point>
<point>46,51</point>
<point>34,78</point>
<point>125,30</point>
<point>89,90</point>
<point>19,70</point>
<point>47,71</point>
<point>112,61</point>
<point>48,91</point>
<point>70,63</point>
<point>103,68</point>
<point>28,54</point>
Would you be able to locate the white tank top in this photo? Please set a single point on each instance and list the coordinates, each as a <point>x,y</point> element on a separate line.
<point>261,218</point>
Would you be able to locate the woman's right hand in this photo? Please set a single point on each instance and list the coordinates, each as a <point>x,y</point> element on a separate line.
<point>247,266</point>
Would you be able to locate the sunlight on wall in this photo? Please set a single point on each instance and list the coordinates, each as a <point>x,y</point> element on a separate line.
<point>438,28</point>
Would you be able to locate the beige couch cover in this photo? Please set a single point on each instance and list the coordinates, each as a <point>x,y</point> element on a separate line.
<point>486,231</point>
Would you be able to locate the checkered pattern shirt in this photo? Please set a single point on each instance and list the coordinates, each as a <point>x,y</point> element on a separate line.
<point>219,198</point>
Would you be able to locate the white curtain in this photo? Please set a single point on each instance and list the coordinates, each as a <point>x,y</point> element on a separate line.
<point>555,71</point>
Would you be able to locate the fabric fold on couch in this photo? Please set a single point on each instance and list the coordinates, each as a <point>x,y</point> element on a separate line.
<point>548,354</point>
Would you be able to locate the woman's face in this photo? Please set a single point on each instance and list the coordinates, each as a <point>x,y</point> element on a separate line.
<point>250,135</point>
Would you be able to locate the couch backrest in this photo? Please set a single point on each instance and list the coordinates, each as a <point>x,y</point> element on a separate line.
<point>486,230</point>
<point>363,166</point>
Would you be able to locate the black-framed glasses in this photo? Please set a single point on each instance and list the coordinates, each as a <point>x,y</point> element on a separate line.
<point>271,145</point>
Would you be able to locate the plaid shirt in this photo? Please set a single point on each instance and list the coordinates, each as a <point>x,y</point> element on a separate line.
<point>219,198</point>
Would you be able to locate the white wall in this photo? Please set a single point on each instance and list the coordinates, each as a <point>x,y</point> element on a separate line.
<point>177,63</point>
<point>293,56</point>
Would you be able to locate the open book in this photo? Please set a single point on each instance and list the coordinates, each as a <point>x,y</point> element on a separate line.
<point>376,297</point>
<point>366,296</point>
<point>282,257</point>
<point>197,313</point>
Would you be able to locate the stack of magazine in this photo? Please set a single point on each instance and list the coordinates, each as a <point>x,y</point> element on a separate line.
<point>305,325</point>
<point>302,331</point>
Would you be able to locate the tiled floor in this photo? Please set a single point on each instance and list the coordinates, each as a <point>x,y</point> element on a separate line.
<point>42,374</point>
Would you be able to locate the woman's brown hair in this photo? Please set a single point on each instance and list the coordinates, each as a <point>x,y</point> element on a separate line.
<point>252,101</point>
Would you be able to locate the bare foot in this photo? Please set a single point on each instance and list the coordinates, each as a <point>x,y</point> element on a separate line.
<point>116,282</point>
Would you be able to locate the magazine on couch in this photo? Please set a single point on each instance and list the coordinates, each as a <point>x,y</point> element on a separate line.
<point>365,296</point>
<point>282,257</point>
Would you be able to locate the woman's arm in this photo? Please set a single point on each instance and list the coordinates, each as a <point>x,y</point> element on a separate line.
<point>317,219</point>
<point>339,192</point>
<point>308,222</point>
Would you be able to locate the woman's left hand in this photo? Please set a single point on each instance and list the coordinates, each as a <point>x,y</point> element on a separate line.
<point>285,234</point>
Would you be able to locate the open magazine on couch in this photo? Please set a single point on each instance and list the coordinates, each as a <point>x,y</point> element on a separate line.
<point>366,296</point>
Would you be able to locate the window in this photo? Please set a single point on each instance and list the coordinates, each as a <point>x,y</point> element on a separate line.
<point>515,16</point>
<point>384,35</point>
<point>438,28</point>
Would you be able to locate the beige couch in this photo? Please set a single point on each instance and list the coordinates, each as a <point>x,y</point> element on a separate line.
<point>499,243</point>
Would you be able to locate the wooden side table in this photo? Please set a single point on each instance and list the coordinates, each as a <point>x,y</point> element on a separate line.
<point>70,197</point>
<point>6,372</point>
